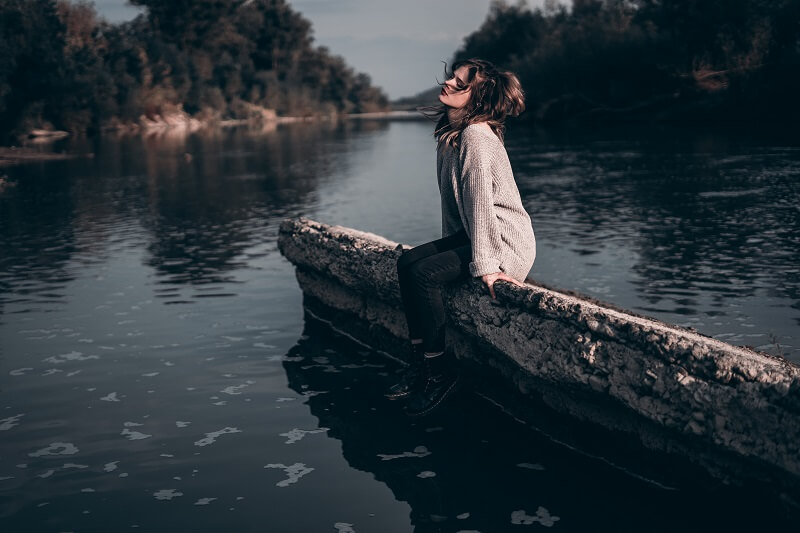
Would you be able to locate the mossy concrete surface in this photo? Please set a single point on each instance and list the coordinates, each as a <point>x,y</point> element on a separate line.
<point>575,351</point>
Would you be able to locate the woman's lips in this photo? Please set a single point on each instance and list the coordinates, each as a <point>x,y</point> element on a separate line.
<point>443,93</point>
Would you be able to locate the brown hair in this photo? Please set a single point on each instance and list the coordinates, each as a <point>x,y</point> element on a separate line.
<point>495,95</point>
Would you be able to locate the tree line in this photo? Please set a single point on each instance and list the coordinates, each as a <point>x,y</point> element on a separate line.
<point>63,67</point>
<point>675,60</point>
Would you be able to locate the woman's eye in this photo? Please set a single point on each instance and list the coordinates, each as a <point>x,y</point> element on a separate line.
<point>459,86</point>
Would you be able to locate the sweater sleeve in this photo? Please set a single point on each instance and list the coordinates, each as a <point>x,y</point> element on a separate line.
<point>478,204</point>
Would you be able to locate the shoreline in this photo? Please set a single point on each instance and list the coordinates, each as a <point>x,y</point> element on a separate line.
<point>174,123</point>
<point>387,115</point>
<point>35,145</point>
<point>13,155</point>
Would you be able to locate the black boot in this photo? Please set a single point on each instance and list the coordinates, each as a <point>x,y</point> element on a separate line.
<point>413,377</point>
<point>441,381</point>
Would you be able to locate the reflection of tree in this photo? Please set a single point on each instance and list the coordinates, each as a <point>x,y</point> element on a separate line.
<point>214,194</point>
<point>205,198</point>
<point>475,454</point>
<point>37,236</point>
<point>704,215</point>
<point>720,224</point>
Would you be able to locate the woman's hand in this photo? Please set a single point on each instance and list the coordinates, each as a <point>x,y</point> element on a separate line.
<point>489,280</point>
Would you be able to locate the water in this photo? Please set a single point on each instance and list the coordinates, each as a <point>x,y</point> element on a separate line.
<point>699,230</point>
<point>157,371</point>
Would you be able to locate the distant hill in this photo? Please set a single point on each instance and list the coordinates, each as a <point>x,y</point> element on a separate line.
<point>427,97</point>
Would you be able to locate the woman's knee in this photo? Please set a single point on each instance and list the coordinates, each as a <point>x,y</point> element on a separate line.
<point>404,261</point>
<point>428,272</point>
<point>439,269</point>
<point>409,257</point>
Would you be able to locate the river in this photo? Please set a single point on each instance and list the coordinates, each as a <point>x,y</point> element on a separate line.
<point>157,371</point>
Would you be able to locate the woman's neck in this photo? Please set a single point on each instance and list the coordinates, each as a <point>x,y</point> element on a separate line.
<point>453,114</point>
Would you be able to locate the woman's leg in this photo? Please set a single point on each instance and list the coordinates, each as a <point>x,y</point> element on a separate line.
<point>429,275</point>
<point>409,293</point>
<point>415,376</point>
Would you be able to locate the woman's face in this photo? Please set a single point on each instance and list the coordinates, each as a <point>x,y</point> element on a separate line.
<point>456,91</point>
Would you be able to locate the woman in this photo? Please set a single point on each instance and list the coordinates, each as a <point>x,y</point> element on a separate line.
<point>486,232</point>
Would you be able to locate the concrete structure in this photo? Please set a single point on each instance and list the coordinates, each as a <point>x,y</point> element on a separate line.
<point>731,409</point>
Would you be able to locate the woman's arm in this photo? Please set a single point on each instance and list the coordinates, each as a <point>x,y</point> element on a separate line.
<point>477,197</point>
<point>477,201</point>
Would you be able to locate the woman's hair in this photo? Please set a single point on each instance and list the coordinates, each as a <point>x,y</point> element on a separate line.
<point>495,95</point>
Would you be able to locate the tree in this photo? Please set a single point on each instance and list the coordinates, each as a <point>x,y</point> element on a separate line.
<point>31,61</point>
<point>61,65</point>
<point>508,32</point>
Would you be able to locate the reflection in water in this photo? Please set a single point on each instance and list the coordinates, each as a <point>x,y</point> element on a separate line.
<point>207,203</point>
<point>696,229</point>
<point>37,239</point>
<point>118,410</point>
<point>210,197</point>
<point>702,231</point>
<point>464,468</point>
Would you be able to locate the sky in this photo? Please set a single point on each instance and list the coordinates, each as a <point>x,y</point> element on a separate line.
<point>400,43</point>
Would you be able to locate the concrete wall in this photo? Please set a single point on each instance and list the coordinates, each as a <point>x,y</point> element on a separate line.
<point>726,406</point>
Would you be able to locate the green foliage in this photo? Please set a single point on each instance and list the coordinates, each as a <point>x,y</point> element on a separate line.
<point>31,60</point>
<point>61,66</point>
<point>663,59</point>
<point>508,32</point>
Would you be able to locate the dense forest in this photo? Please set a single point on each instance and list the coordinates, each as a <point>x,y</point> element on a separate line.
<point>63,67</point>
<point>677,60</point>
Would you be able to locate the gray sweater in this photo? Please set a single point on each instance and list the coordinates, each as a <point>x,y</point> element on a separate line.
<point>479,194</point>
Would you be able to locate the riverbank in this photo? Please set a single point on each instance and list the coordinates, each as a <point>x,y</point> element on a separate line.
<point>388,115</point>
<point>12,155</point>
<point>255,117</point>
<point>179,123</point>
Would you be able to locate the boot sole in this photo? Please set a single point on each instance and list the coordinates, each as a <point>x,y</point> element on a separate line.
<point>433,406</point>
<point>396,395</point>
<point>403,394</point>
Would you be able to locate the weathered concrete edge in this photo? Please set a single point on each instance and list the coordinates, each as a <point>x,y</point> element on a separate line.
<point>732,397</point>
<point>526,398</point>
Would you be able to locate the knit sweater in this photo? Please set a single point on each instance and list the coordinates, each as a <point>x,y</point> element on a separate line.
<point>479,194</point>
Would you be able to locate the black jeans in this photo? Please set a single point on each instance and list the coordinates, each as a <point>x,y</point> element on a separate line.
<point>422,272</point>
